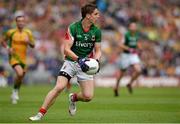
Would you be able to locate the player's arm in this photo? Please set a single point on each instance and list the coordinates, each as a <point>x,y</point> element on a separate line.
<point>68,51</point>
<point>4,39</point>
<point>122,45</point>
<point>30,39</point>
<point>97,51</point>
<point>97,47</point>
<point>69,39</point>
<point>125,47</point>
<point>31,44</point>
<point>3,42</point>
<point>139,45</point>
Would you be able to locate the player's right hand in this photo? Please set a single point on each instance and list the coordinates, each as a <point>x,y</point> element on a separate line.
<point>132,50</point>
<point>82,64</point>
<point>10,51</point>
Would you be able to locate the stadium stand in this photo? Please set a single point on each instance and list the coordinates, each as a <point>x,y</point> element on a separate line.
<point>158,21</point>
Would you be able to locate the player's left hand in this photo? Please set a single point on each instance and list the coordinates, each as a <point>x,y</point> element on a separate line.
<point>132,50</point>
<point>27,40</point>
<point>83,65</point>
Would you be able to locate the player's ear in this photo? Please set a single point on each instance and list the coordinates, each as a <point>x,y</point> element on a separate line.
<point>88,16</point>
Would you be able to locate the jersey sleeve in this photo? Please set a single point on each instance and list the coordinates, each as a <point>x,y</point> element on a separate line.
<point>7,34</point>
<point>126,37</point>
<point>138,37</point>
<point>98,35</point>
<point>70,34</point>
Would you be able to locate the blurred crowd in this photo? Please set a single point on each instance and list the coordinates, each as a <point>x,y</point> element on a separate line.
<point>158,22</point>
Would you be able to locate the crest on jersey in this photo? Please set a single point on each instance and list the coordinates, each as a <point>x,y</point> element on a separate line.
<point>86,37</point>
<point>93,38</point>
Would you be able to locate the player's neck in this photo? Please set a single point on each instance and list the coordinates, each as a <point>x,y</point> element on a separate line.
<point>133,32</point>
<point>20,29</point>
<point>86,24</point>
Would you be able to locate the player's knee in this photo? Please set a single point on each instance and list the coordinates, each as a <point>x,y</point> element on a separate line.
<point>138,71</point>
<point>88,97</point>
<point>20,75</point>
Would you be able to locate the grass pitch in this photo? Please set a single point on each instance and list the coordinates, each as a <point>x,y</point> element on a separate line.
<point>146,105</point>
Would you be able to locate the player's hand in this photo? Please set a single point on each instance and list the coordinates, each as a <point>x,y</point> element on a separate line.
<point>82,64</point>
<point>99,65</point>
<point>27,40</point>
<point>132,50</point>
<point>10,51</point>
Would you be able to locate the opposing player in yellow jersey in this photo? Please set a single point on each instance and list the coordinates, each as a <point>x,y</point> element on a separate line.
<point>17,41</point>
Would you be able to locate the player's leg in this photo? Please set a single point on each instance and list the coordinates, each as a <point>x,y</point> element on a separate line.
<point>136,73</point>
<point>136,63</point>
<point>87,91</point>
<point>123,64</point>
<point>86,94</point>
<point>64,77</point>
<point>68,87</point>
<point>51,97</point>
<point>116,88</point>
<point>18,81</point>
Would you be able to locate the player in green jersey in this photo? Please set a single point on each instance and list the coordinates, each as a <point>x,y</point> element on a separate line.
<point>82,38</point>
<point>129,57</point>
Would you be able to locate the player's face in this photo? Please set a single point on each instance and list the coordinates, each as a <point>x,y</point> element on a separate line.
<point>94,16</point>
<point>20,22</point>
<point>133,27</point>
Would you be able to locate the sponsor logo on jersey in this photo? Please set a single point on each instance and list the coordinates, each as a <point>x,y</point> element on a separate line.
<point>133,41</point>
<point>81,44</point>
<point>132,38</point>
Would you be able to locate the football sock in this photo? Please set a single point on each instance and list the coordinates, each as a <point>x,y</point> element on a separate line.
<point>17,84</point>
<point>42,111</point>
<point>75,97</point>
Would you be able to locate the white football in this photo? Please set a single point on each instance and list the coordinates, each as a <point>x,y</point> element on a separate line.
<point>93,66</point>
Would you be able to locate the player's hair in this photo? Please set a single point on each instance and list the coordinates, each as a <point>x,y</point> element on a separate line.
<point>87,9</point>
<point>19,17</point>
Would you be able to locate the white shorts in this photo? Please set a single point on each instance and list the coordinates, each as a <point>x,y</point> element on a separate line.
<point>73,69</point>
<point>128,59</point>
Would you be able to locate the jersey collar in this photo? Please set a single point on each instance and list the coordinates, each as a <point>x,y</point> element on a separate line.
<point>85,30</point>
